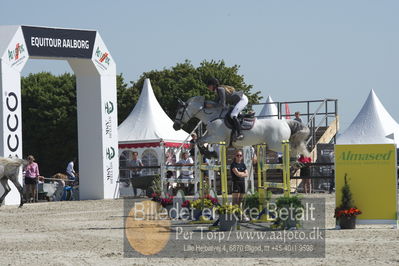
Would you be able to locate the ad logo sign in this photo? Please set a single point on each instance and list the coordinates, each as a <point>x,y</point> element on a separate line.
<point>110,153</point>
<point>102,58</point>
<point>109,107</point>
<point>16,55</point>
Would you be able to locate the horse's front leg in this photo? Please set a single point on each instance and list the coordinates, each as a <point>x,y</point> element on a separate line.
<point>14,180</point>
<point>6,187</point>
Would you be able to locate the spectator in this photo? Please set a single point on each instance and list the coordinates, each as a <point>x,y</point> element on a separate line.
<point>305,173</point>
<point>186,161</point>
<point>297,117</point>
<point>192,145</point>
<point>332,182</point>
<point>70,170</point>
<point>31,176</point>
<point>134,171</point>
<point>169,161</point>
<point>238,174</point>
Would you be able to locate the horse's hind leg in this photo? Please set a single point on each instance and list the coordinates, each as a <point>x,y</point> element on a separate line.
<point>6,187</point>
<point>20,190</point>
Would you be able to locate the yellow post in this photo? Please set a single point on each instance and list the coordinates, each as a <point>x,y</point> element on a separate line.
<point>223,172</point>
<point>201,183</point>
<point>286,168</point>
<point>261,164</point>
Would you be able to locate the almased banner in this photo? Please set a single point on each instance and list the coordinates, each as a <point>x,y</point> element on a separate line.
<point>50,42</point>
<point>371,174</point>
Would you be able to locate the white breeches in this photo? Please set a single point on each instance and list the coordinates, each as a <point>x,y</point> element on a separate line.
<point>239,106</point>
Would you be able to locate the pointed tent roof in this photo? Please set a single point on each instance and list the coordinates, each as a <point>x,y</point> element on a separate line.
<point>373,125</point>
<point>148,121</point>
<point>269,109</point>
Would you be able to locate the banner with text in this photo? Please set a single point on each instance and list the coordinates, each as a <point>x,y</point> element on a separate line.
<point>63,43</point>
<point>371,174</point>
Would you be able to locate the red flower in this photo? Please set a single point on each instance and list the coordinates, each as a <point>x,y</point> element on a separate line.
<point>214,200</point>
<point>347,213</point>
<point>166,201</point>
<point>186,204</point>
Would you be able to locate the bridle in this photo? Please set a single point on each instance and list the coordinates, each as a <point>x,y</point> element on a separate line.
<point>184,105</point>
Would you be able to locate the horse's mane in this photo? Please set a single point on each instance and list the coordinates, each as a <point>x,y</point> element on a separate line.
<point>14,161</point>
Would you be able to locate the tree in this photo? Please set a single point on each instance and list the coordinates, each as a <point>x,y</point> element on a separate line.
<point>49,120</point>
<point>184,81</point>
<point>49,116</point>
<point>49,112</point>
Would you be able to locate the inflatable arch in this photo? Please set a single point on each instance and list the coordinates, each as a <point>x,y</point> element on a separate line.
<point>95,73</point>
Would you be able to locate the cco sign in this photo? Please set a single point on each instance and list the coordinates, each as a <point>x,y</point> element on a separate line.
<point>12,122</point>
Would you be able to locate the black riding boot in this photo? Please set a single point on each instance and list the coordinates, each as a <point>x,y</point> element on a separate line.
<point>237,126</point>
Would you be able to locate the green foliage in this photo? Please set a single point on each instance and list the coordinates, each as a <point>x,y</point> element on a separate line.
<point>252,200</point>
<point>49,120</point>
<point>50,114</point>
<point>127,98</point>
<point>294,201</point>
<point>156,186</point>
<point>184,81</point>
<point>201,204</point>
<point>286,203</point>
<point>346,200</point>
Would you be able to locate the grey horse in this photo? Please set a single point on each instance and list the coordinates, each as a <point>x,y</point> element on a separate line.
<point>269,131</point>
<point>9,170</point>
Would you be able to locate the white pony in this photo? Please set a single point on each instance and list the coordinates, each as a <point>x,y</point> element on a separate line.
<point>9,170</point>
<point>269,131</point>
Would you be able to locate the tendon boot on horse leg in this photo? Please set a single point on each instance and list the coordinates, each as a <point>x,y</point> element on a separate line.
<point>237,130</point>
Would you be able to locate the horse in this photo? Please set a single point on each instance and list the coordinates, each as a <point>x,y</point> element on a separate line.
<point>9,170</point>
<point>269,131</point>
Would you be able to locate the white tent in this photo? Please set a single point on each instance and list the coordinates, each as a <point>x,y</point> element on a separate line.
<point>373,125</point>
<point>148,131</point>
<point>148,122</point>
<point>269,109</point>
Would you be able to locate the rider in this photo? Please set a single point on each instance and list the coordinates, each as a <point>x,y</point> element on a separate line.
<point>225,96</point>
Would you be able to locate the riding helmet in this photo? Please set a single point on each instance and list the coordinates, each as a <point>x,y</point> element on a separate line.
<point>213,82</point>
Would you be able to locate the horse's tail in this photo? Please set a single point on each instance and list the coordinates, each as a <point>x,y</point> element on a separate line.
<point>13,161</point>
<point>299,135</point>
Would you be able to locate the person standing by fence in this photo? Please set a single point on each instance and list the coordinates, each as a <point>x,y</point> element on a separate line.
<point>134,172</point>
<point>298,117</point>
<point>305,173</point>
<point>31,176</point>
<point>70,170</point>
<point>238,173</point>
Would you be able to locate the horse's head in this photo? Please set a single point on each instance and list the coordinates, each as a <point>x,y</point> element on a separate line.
<point>187,110</point>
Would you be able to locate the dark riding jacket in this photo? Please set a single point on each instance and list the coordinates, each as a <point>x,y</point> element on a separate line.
<point>225,98</point>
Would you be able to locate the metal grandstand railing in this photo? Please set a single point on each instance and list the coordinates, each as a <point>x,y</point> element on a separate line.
<point>316,114</point>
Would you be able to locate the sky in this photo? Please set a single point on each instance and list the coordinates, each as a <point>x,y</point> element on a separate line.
<point>291,50</point>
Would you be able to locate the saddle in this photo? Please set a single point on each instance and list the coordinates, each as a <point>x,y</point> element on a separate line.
<point>247,120</point>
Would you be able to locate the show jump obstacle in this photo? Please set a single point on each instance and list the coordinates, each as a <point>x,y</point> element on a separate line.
<point>198,169</point>
<point>263,184</point>
<point>95,73</point>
